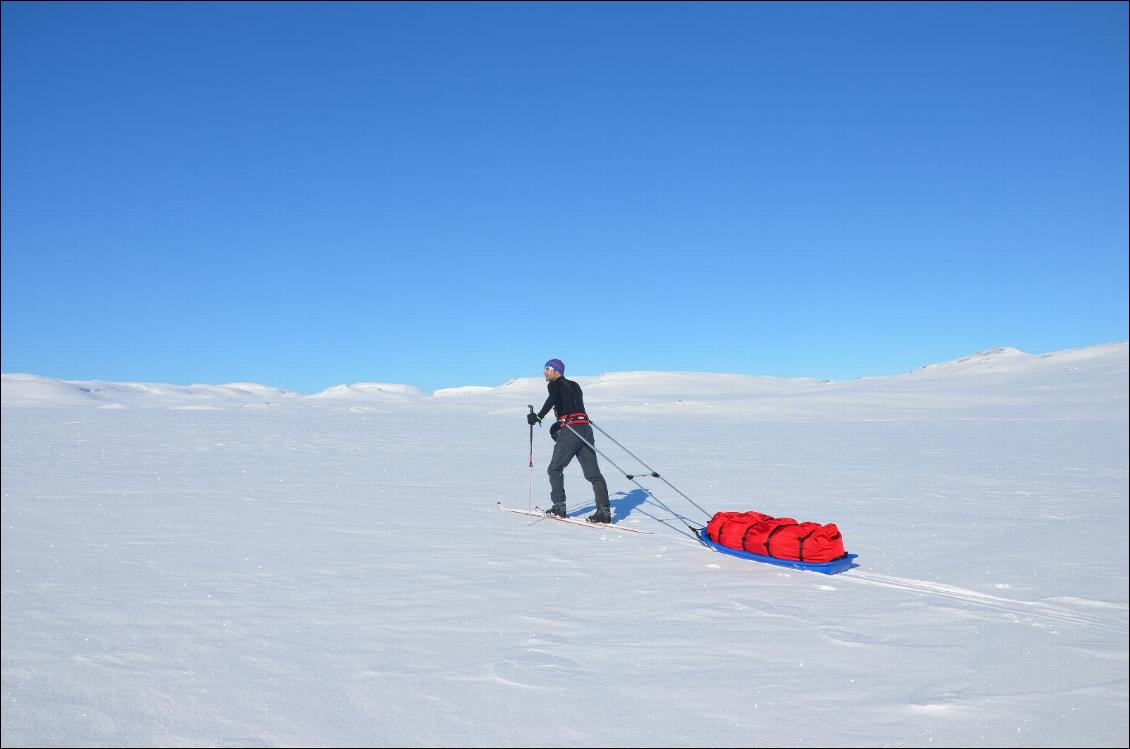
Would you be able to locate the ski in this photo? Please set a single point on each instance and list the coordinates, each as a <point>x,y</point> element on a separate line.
<point>540,514</point>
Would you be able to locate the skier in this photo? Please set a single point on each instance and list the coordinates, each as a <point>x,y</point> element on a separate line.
<point>567,402</point>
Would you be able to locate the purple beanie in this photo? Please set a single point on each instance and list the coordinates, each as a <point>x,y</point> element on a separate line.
<point>556,364</point>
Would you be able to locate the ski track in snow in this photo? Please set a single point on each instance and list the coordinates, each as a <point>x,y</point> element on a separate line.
<point>1016,608</point>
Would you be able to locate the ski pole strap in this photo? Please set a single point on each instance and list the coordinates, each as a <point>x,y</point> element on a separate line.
<point>652,474</point>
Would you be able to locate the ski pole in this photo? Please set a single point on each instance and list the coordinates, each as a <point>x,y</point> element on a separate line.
<point>653,472</point>
<point>693,534</point>
<point>530,502</point>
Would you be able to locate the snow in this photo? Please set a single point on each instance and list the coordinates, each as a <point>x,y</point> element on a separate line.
<point>244,565</point>
<point>465,390</point>
<point>365,391</point>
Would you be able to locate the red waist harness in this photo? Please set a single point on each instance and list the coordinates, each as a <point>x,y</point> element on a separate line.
<point>578,418</point>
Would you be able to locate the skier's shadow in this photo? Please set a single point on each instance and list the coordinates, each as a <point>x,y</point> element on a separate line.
<point>622,504</point>
<point>625,502</point>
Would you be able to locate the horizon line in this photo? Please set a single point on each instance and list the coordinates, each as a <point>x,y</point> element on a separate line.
<point>238,383</point>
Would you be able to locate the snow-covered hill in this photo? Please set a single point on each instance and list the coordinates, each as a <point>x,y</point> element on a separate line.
<point>243,565</point>
<point>994,379</point>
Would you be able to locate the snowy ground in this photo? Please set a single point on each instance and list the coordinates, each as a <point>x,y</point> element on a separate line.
<point>240,565</point>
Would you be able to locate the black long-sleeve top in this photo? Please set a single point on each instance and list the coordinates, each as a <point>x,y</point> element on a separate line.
<point>565,397</point>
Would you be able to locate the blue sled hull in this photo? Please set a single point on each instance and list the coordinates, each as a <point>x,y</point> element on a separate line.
<point>846,562</point>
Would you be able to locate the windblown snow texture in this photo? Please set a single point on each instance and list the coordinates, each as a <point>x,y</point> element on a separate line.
<point>242,565</point>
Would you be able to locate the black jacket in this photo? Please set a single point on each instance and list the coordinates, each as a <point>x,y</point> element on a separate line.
<point>565,397</point>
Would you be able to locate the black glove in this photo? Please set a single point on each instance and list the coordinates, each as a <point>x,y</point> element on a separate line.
<point>532,418</point>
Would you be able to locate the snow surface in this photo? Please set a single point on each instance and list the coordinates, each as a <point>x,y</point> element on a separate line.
<point>240,565</point>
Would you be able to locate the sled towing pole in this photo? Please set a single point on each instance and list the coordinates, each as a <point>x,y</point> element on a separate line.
<point>645,465</point>
<point>632,477</point>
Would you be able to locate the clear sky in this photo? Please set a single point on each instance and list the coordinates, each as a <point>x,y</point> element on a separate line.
<point>303,195</point>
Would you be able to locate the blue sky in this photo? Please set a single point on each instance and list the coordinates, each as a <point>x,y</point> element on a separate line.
<point>304,195</point>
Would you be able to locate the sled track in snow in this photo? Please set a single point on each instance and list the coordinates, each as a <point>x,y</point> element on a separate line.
<point>1015,607</point>
<point>1018,608</point>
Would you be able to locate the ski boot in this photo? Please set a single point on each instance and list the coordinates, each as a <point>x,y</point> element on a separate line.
<point>602,515</point>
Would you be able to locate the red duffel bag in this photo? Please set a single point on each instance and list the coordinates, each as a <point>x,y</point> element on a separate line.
<point>783,538</point>
<point>730,528</point>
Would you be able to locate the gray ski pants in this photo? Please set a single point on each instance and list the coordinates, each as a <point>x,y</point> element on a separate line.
<point>568,445</point>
